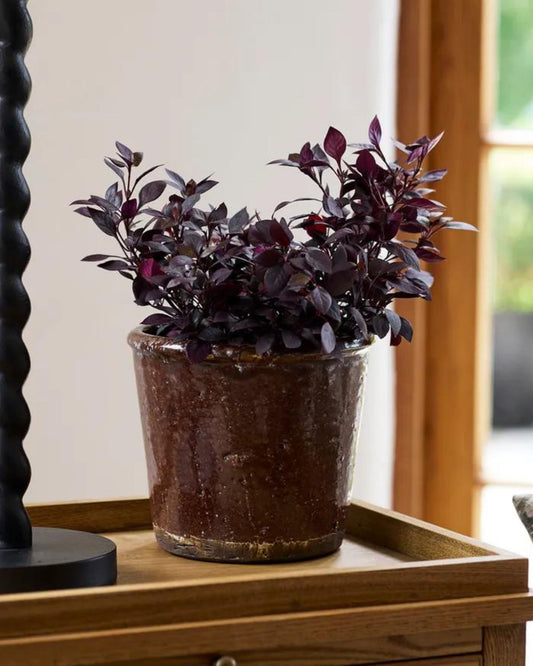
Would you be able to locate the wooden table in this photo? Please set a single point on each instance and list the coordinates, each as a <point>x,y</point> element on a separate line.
<point>398,592</point>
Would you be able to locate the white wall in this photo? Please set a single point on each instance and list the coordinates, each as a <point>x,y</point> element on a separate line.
<point>221,85</point>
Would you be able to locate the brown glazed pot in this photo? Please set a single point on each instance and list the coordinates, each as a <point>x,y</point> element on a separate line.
<point>250,459</point>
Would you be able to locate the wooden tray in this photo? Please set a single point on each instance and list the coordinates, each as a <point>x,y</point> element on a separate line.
<point>387,560</point>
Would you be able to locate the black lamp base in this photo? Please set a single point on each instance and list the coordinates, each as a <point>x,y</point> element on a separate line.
<point>59,559</point>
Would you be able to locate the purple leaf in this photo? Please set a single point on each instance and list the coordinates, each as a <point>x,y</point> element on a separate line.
<point>268,257</point>
<point>380,325</point>
<point>129,209</point>
<point>461,226</point>
<point>124,152</point>
<point>197,350</point>
<point>113,195</point>
<point>289,163</point>
<point>103,221</point>
<point>238,221</point>
<point>205,185</point>
<point>280,233</point>
<point>221,274</point>
<point>275,279</point>
<point>429,254</point>
<point>335,144</point>
<point>286,203</point>
<point>319,260</point>
<point>422,202</point>
<point>157,319</point>
<point>360,321</point>
<point>111,164</point>
<point>406,330</point>
<point>365,163</point>
<point>290,339</point>
<point>114,265</point>
<point>306,154</point>
<point>374,132</point>
<point>321,299</point>
<point>151,191</point>
<point>332,207</point>
<point>176,180</point>
<point>189,203</point>
<point>83,211</point>
<point>264,343</point>
<point>394,321</point>
<point>95,257</point>
<point>432,176</point>
<point>327,337</point>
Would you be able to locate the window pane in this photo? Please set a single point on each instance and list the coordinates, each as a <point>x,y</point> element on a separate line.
<point>512,217</point>
<point>514,91</point>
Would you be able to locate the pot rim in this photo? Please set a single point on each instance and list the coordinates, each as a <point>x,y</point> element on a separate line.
<point>149,344</point>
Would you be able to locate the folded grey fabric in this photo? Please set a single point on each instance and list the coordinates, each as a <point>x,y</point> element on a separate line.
<point>524,508</point>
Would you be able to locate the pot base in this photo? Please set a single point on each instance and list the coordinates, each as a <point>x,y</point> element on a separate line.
<point>233,552</point>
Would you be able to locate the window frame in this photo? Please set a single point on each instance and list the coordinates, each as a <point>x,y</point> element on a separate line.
<point>443,380</point>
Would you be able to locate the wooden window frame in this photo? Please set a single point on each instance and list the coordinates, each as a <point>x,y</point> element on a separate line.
<point>443,378</point>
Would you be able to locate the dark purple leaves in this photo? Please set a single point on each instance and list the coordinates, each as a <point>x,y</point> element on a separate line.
<point>148,268</point>
<point>205,185</point>
<point>238,221</point>
<point>365,163</point>
<point>103,221</point>
<point>197,350</point>
<point>264,343</point>
<point>189,203</point>
<point>151,191</point>
<point>380,325</point>
<point>95,257</point>
<point>433,176</point>
<point>374,132</point>
<point>332,207</point>
<point>176,180</point>
<point>291,340</point>
<point>319,260</point>
<point>268,257</point>
<point>335,144</point>
<point>113,195</point>
<point>218,279</point>
<point>281,233</point>
<point>461,226</point>
<point>321,299</point>
<point>156,320</point>
<point>114,265</point>
<point>275,279</point>
<point>327,337</point>
<point>394,321</point>
<point>129,208</point>
<point>124,151</point>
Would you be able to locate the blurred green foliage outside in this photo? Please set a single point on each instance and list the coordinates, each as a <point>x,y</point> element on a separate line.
<point>515,64</point>
<point>512,170</point>
<point>512,191</point>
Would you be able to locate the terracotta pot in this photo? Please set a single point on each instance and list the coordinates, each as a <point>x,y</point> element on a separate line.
<point>249,459</point>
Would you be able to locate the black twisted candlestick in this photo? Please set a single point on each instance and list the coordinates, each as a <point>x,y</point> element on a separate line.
<point>15,86</point>
<point>40,558</point>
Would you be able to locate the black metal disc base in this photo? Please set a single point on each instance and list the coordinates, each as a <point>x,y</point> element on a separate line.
<point>59,559</point>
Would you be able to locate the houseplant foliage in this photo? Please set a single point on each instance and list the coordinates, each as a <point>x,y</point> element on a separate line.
<point>255,314</point>
<point>244,279</point>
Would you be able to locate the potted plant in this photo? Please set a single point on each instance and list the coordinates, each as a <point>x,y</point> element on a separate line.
<point>251,372</point>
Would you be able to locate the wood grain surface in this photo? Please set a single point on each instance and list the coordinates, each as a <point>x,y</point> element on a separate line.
<point>398,589</point>
<point>504,646</point>
<point>277,632</point>
<point>341,653</point>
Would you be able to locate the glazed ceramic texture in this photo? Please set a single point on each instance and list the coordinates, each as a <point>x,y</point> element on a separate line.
<point>249,458</point>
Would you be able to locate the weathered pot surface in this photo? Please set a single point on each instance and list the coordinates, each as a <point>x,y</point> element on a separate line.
<point>249,458</point>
